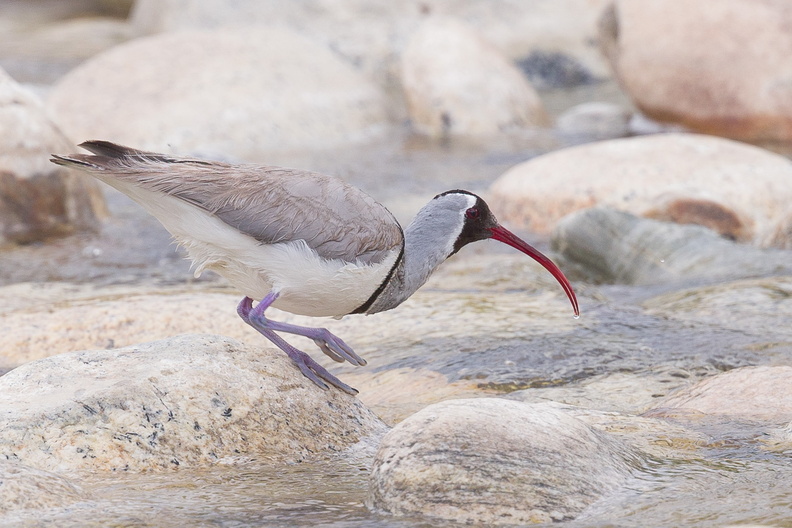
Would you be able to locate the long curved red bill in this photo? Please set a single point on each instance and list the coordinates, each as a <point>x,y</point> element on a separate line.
<point>501,234</point>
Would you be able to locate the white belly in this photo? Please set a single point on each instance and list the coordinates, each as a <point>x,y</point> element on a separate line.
<point>307,284</point>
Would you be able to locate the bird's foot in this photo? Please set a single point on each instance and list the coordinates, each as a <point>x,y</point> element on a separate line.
<point>317,373</point>
<point>333,346</point>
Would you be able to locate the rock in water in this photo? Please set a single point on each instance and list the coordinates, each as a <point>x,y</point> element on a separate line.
<point>751,392</point>
<point>23,488</point>
<point>495,461</point>
<point>616,247</point>
<point>188,401</point>
<point>37,199</point>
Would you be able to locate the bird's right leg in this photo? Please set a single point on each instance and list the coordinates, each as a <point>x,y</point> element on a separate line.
<point>307,365</point>
<point>333,346</point>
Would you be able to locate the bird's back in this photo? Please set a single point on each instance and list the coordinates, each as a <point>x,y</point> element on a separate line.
<point>270,204</point>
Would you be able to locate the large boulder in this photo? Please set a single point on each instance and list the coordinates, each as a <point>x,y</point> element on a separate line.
<point>39,200</point>
<point>189,401</point>
<point>741,191</point>
<point>493,461</point>
<point>455,83</point>
<point>717,67</point>
<point>225,93</point>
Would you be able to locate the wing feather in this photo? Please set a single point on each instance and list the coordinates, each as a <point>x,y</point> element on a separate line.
<point>270,204</point>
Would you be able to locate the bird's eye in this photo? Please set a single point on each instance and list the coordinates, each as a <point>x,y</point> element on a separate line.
<point>472,213</point>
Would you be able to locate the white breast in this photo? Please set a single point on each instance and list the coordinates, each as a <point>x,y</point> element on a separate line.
<point>307,283</point>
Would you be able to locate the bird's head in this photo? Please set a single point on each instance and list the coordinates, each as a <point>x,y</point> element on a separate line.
<point>476,222</point>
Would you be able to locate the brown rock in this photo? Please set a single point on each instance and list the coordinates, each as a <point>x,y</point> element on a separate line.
<point>38,200</point>
<point>715,67</point>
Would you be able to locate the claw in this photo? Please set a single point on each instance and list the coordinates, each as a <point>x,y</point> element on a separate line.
<point>328,351</point>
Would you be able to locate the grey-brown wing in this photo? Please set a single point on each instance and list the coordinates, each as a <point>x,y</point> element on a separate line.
<point>271,204</point>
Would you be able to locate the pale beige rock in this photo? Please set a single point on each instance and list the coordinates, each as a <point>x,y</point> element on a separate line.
<point>719,67</point>
<point>238,94</point>
<point>51,319</point>
<point>38,200</point>
<point>455,83</point>
<point>189,401</point>
<point>371,34</point>
<point>739,190</point>
<point>26,488</point>
<point>750,392</point>
<point>493,461</point>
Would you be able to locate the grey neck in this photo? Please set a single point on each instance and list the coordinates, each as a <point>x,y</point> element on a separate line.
<point>428,241</point>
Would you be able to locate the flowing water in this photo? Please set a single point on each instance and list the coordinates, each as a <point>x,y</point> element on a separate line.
<point>733,479</point>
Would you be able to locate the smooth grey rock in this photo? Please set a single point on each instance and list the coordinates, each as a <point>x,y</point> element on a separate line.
<point>739,190</point>
<point>456,83</point>
<point>26,488</point>
<point>595,119</point>
<point>189,401</point>
<point>235,94</point>
<point>495,461</point>
<point>39,200</point>
<point>618,247</point>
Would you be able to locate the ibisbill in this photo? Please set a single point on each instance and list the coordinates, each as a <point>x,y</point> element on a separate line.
<point>303,242</point>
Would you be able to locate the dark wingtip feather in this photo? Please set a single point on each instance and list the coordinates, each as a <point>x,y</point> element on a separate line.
<point>109,149</point>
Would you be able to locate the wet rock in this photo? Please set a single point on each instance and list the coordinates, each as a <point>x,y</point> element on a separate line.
<point>239,94</point>
<point>687,62</point>
<point>738,190</point>
<point>751,392</point>
<point>617,247</point>
<point>495,461</point>
<point>556,40</point>
<point>595,119</point>
<point>189,401</point>
<point>24,488</point>
<point>455,83</point>
<point>37,199</point>
<point>759,307</point>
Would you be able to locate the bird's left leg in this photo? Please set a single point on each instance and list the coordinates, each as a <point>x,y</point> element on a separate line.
<point>332,345</point>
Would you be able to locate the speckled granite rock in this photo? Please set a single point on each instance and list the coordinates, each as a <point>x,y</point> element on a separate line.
<point>189,401</point>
